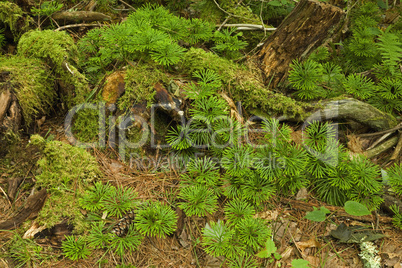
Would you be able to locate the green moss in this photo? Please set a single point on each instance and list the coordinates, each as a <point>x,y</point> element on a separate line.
<point>32,84</point>
<point>140,81</point>
<point>66,172</point>
<point>243,83</point>
<point>58,50</point>
<point>13,16</point>
<point>209,11</point>
<point>85,127</point>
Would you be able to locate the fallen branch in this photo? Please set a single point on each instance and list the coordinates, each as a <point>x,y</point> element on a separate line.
<point>249,27</point>
<point>78,25</point>
<point>356,110</point>
<point>399,126</point>
<point>382,147</point>
<point>130,6</point>
<point>398,148</point>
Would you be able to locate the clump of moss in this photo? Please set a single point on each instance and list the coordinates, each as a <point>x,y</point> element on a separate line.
<point>244,83</point>
<point>66,172</point>
<point>32,84</point>
<point>140,81</point>
<point>209,11</point>
<point>59,51</point>
<point>85,127</point>
<point>13,16</point>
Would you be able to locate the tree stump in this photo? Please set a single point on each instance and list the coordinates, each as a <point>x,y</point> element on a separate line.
<point>310,25</point>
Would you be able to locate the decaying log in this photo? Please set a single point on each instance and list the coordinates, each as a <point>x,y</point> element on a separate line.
<point>33,205</point>
<point>10,112</point>
<point>13,121</point>
<point>80,16</point>
<point>310,25</point>
<point>356,110</point>
<point>5,101</point>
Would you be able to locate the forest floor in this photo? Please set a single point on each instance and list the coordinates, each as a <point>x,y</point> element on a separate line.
<point>294,236</point>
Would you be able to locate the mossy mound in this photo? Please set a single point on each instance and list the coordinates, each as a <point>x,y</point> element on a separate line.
<point>58,50</point>
<point>85,127</point>
<point>209,11</point>
<point>140,81</point>
<point>13,16</point>
<point>244,83</point>
<point>66,172</point>
<point>31,82</point>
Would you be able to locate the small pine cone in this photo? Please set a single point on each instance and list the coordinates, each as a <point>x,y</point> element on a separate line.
<point>121,228</point>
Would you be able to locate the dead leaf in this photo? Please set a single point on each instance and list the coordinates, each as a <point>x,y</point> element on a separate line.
<point>287,253</point>
<point>302,194</point>
<point>270,215</point>
<point>311,243</point>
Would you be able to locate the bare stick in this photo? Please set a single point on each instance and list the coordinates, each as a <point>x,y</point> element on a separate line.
<point>399,126</point>
<point>379,140</point>
<point>382,147</point>
<point>398,148</point>
<point>228,17</point>
<point>78,25</point>
<point>8,199</point>
<point>250,26</point>
<point>130,6</point>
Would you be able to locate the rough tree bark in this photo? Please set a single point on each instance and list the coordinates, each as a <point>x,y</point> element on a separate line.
<point>310,25</point>
<point>10,112</point>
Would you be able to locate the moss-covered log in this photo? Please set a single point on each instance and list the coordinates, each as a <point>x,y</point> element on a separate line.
<point>310,25</point>
<point>355,110</point>
<point>29,86</point>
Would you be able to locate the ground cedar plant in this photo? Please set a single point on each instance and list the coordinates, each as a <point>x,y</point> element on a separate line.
<point>215,202</point>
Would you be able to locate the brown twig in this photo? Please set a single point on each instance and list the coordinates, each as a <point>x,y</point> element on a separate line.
<point>398,148</point>
<point>130,6</point>
<point>378,141</point>
<point>8,199</point>
<point>399,126</point>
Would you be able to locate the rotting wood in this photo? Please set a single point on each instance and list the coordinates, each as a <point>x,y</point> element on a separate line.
<point>356,110</point>
<point>310,25</point>
<point>31,208</point>
<point>5,101</point>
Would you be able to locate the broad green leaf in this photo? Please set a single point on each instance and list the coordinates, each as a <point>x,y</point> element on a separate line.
<point>318,215</point>
<point>356,209</point>
<point>268,250</point>
<point>300,263</point>
<point>277,256</point>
